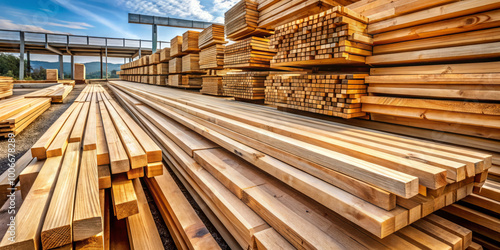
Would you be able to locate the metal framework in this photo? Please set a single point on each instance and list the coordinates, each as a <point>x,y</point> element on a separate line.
<point>16,41</point>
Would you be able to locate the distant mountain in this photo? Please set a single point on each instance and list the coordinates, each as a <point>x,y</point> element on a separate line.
<point>90,68</point>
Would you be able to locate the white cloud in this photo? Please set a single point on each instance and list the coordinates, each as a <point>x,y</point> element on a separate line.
<point>173,8</point>
<point>9,25</point>
<point>70,25</point>
<point>98,18</point>
<point>223,5</point>
<point>219,19</point>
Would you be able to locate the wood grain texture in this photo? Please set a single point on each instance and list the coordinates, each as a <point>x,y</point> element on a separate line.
<point>124,198</point>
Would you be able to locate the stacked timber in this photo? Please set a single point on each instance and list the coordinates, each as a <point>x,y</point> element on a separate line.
<point>18,112</point>
<point>335,36</point>
<point>188,81</point>
<point>52,74</point>
<point>165,55</point>
<point>212,85</point>
<point>327,94</point>
<point>176,47</point>
<point>92,152</point>
<point>212,35</point>
<point>191,64</point>
<point>175,65</point>
<point>57,93</point>
<point>190,41</point>
<point>275,13</point>
<point>79,73</point>
<point>449,81</point>
<point>260,165</point>
<point>248,85</point>
<point>241,21</point>
<point>212,57</point>
<point>6,86</point>
<point>249,53</point>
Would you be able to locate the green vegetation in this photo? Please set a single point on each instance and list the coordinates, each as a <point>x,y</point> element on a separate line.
<point>9,65</point>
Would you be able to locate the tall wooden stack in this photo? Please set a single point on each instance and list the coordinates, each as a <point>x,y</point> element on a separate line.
<point>247,85</point>
<point>79,73</point>
<point>211,42</point>
<point>327,94</point>
<point>162,67</point>
<point>52,74</point>
<point>249,53</point>
<point>241,21</point>
<point>450,92</point>
<point>6,86</point>
<point>335,36</point>
<point>185,64</point>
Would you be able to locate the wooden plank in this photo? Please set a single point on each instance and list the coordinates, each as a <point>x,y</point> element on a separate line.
<point>99,240</point>
<point>104,175</point>
<point>30,217</point>
<point>153,169</point>
<point>57,227</point>
<point>90,137</point>
<point>456,229</point>
<point>135,152</point>
<point>270,239</point>
<point>442,235</point>
<point>40,147</point>
<point>440,69</point>
<point>87,218</point>
<point>434,14</point>
<point>124,198</point>
<point>79,127</point>
<point>421,239</point>
<point>28,176</point>
<point>118,236</point>
<point>101,143</point>
<point>117,154</point>
<point>58,145</point>
<point>142,230</point>
<point>135,173</point>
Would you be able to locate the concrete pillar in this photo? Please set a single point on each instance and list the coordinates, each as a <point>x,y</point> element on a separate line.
<point>21,56</point>
<point>155,38</point>
<point>101,63</point>
<point>28,70</point>
<point>140,46</point>
<point>72,67</point>
<point>106,59</point>
<point>61,67</point>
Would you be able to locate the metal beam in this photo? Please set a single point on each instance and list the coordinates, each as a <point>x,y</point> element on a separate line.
<point>61,67</point>
<point>106,59</point>
<point>101,63</point>
<point>155,38</point>
<point>28,70</point>
<point>21,56</point>
<point>72,67</point>
<point>167,21</point>
<point>50,48</point>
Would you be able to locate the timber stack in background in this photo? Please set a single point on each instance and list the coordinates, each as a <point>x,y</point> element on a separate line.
<point>212,45</point>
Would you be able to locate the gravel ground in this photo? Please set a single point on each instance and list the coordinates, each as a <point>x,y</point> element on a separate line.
<point>35,130</point>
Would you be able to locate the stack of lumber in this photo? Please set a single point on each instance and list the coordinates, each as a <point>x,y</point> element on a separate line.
<point>79,73</point>
<point>52,74</point>
<point>18,112</point>
<point>327,94</point>
<point>185,81</point>
<point>175,65</point>
<point>165,55</point>
<point>57,93</point>
<point>191,64</point>
<point>252,52</point>
<point>92,152</point>
<point>436,71</point>
<point>241,21</point>
<point>212,35</point>
<point>6,86</point>
<point>335,36</point>
<point>176,47</point>
<point>269,177</point>
<point>190,41</point>
<point>212,85</point>
<point>248,85</point>
<point>275,13</point>
<point>212,57</point>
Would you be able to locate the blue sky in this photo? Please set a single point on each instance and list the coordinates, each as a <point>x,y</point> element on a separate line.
<point>107,18</point>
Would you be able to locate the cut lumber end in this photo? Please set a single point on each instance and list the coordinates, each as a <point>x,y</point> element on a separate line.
<point>84,229</point>
<point>56,237</point>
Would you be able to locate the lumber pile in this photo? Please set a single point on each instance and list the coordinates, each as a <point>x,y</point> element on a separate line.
<point>241,21</point>
<point>52,74</point>
<point>252,52</point>
<point>448,81</point>
<point>94,150</point>
<point>57,93</point>
<point>165,55</point>
<point>175,65</point>
<point>260,165</point>
<point>80,73</point>
<point>212,85</point>
<point>185,81</point>
<point>191,64</point>
<point>190,41</point>
<point>6,86</point>
<point>327,94</point>
<point>19,112</point>
<point>212,35</point>
<point>212,57</point>
<point>248,85</point>
<point>335,36</point>
<point>176,47</point>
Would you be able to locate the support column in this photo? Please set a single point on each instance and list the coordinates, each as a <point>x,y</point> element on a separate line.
<point>28,70</point>
<point>72,67</point>
<point>140,46</point>
<point>101,63</point>
<point>155,38</point>
<point>21,56</point>
<point>61,67</point>
<point>106,59</point>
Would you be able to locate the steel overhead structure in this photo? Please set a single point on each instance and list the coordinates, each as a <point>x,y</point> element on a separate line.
<point>165,21</point>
